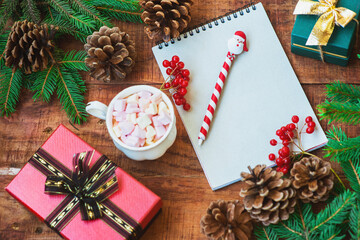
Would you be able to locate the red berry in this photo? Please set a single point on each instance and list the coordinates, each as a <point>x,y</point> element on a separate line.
<point>175,82</point>
<point>286,161</point>
<point>175,59</point>
<point>169,71</point>
<point>185,72</point>
<point>183,101</point>
<point>181,65</point>
<point>184,83</point>
<point>182,91</point>
<point>172,64</point>
<point>273,142</point>
<point>186,107</point>
<point>178,102</point>
<point>311,124</point>
<point>285,142</point>
<point>167,85</point>
<point>284,170</point>
<point>272,157</point>
<point>279,162</point>
<point>283,137</point>
<point>290,134</point>
<point>284,129</point>
<point>178,76</point>
<point>176,72</point>
<point>295,119</point>
<point>279,133</point>
<point>176,96</point>
<point>291,126</point>
<point>308,119</point>
<point>166,63</point>
<point>281,153</point>
<point>186,78</point>
<point>285,151</point>
<point>278,169</point>
<point>310,130</point>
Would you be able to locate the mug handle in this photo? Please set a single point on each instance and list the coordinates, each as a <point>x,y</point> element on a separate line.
<point>97,109</point>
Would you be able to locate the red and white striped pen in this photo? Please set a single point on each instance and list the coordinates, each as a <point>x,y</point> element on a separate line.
<point>236,45</point>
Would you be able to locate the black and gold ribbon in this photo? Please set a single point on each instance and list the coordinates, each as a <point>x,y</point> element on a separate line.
<point>87,190</point>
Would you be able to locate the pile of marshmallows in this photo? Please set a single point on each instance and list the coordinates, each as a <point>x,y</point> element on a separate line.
<point>141,119</point>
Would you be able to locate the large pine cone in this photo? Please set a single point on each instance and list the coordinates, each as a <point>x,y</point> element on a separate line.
<point>29,46</point>
<point>111,54</point>
<point>267,196</point>
<point>166,19</point>
<point>313,179</point>
<point>226,221</point>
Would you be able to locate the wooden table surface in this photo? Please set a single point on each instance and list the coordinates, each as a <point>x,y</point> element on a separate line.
<point>176,177</point>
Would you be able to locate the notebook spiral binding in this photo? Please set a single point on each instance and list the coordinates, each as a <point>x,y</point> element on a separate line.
<point>209,24</point>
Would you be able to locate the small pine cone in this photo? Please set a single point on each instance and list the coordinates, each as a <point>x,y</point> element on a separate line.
<point>267,196</point>
<point>29,46</point>
<point>226,221</point>
<point>312,179</point>
<point>111,54</point>
<point>166,19</point>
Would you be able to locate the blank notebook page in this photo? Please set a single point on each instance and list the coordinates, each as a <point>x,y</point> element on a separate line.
<point>261,94</point>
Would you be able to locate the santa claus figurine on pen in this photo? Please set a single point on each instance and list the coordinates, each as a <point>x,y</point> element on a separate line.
<point>236,45</point>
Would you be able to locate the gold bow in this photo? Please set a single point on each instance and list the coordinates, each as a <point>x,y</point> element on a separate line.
<point>329,16</point>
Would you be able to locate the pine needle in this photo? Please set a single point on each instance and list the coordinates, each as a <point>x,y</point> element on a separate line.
<point>30,11</point>
<point>11,81</point>
<point>264,233</point>
<point>74,60</point>
<point>44,83</point>
<point>354,221</point>
<point>342,92</point>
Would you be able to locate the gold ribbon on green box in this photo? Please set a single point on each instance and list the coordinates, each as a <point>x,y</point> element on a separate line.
<point>329,16</point>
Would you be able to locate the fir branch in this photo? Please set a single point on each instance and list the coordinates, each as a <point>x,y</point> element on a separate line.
<point>342,92</point>
<point>30,11</point>
<point>334,213</point>
<point>332,233</point>
<point>11,81</point>
<point>7,9</point>
<point>89,10</point>
<point>44,83</point>
<point>70,96</point>
<point>74,60</point>
<point>348,112</point>
<point>125,10</point>
<point>354,221</point>
<point>3,40</point>
<point>341,148</point>
<point>264,233</point>
<point>351,170</point>
<point>122,15</point>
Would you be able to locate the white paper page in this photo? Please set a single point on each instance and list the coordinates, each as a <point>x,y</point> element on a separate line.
<point>261,94</point>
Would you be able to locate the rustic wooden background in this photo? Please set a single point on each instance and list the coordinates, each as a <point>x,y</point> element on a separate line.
<point>177,177</point>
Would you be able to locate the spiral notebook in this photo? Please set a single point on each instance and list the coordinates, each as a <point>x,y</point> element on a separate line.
<point>261,93</point>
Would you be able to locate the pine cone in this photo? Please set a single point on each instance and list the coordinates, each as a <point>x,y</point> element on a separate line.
<point>29,46</point>
<point>313,179</point>
<point>226,221</point>
<point>268,197</point>
<point>111,54</point>
<point>166,19</point>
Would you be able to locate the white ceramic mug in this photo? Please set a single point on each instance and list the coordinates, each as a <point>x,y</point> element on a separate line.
<point>150,152</point>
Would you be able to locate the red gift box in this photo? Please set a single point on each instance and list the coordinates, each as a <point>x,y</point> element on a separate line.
<point>128,210</point>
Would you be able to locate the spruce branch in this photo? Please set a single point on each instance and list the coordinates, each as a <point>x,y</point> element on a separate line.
<point>342,92</point>
<point>354,221</point>
<point>74,60</point>
<point>11,81</point>
<point>351,170</point>
<point>87,9</point>
<point>7,9</point>
<point>70,96</point>
<point>348,112</point>
<point>265,233</point>
<point>44,83</point>
<point>3,41</point>
<point>30,11</point>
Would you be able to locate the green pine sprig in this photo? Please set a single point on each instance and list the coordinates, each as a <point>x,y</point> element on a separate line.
<point>265,233</point>
<point>11,81</point>
<point>342,103</point>
<point>3,41</point>
<point>30,11</point>
<point>354,221</point>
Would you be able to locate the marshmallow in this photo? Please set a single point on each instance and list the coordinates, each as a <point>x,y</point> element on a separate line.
<point>138,132</point>
<point>149,141</point>
<point>133,99</point>
<point>144,103</point>
<point>152,109</point>
<point>160,131</point>
<point>126,127</point>
<point>117,131</point>
<point>156,121</point>
<point>163,107</point>
<point>144,94</point>
<point>131,117</point>
<point>150,133</point>
<point>132,108</point>
<point>156,98</point>
<point>132,141</point>
<point>164,118</point>
<point>120,116</point>
<point>142,142</point>
<point>143,121</point>
<point>119,105</point>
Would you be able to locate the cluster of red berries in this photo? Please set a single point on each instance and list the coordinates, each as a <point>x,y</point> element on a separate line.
<point>287,134</point>
<point>178,80</point>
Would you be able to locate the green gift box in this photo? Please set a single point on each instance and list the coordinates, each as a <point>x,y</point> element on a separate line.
<point>340,45</point>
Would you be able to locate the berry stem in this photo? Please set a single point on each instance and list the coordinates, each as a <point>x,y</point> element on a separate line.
<point>166,80</point>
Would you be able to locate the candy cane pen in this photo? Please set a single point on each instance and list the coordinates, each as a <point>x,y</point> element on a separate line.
<point>236,45</point>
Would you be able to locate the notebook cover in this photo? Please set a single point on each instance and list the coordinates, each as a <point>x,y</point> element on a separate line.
<point>132,197</point>
<point>261,94</point>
